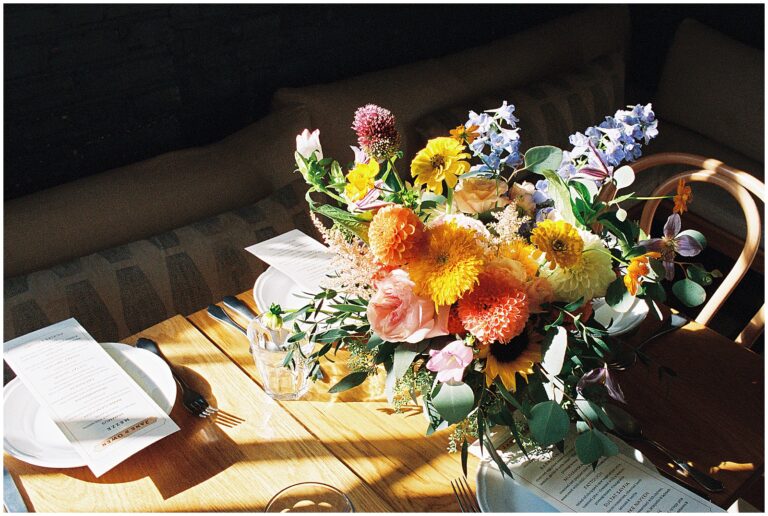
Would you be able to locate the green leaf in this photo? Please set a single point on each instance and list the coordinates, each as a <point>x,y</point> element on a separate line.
<point>508,396</point>
<point>464,456</point>
<point>496,458</point>
<point>374,342</point>
<point>609,447</point>
<point>548,423</point>
<point>699,275</point>
<point>617,295</point>
<point>701,239</point>
<point>560,194</point>
<point>349,381</point>
<point>337,175</point>
<point>689,292</point>
<point>454,401</point>
<point>401,362</point>
<point>655,292</point>
<point>589,447</point>
<point>348,221</point>
<point>553,351</point>
<point>581,189</point>
<point>594,412</point>
<point>349,308</point>
<point>575,305</point>
<point>545,157</point>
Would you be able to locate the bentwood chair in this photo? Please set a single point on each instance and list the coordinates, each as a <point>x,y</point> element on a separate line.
<point>738,184</point>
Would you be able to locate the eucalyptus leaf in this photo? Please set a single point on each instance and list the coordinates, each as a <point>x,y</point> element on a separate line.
<point>699,275</point>
<point>374,342</point>
<point>560,194</point>
<point>454,401</point>
<point>618,297</point>
<point>401,362</point>
<point>545,157</point>
<point>689,292</point>
<point>589,447</point>
<point>553,350</point>
<point>349,381</point>
<point>549,423</point>
<point>696,235</point>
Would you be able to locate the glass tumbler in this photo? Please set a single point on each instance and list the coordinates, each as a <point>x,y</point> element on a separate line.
<point>268,348</point>
<point>310,497</point>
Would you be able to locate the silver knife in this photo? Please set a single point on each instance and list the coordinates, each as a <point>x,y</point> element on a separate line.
<point>12,500</point>
<point>219,314</point>
<point>238,306</point>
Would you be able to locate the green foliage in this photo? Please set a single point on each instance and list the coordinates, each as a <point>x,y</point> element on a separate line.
<point>593,444</point>
<point>689,292</point>
<point>454,401</point>
<point>349,381</point>
<point>355,224</point>
<point>560,194</point>
<point>545,157</point>
<point>549,423</point>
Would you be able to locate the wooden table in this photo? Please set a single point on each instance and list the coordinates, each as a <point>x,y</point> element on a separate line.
<point>711,413</point>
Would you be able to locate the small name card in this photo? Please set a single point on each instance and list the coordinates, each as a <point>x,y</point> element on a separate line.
<point>297,255</point>
<point>618,484</point>
<point>100,409</point>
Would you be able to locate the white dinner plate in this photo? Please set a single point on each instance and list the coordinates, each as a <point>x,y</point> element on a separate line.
<point>275,287</point>
<point>30,435</point>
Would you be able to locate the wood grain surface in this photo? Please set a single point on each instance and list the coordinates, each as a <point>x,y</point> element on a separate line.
<point>209,465</point>
<point>390,452</point>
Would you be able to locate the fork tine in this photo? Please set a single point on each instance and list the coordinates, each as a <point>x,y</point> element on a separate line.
<point>458,496</point>
<point>470,496</point>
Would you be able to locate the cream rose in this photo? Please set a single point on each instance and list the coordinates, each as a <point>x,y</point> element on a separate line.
<point>522,195</point>
<point>478,194</point>
<point>397,314</point>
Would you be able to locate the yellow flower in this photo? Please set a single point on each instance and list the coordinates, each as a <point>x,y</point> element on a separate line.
<point>637,268</point>
<point>448,264</point>
<point>517,356</point>
<point>361,179</point>
<point>440,160</point>
<point>590,276</point>
<point>522,252</point>
<point>559,241</point>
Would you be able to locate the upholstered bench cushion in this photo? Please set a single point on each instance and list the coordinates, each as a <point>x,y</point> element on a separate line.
<point>122,290</point>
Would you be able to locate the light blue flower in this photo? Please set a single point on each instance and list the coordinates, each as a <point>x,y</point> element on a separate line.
<point>505,113</point>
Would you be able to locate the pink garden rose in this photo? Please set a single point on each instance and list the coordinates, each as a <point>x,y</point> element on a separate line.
<point>397,314</point>
<point>450,362</point>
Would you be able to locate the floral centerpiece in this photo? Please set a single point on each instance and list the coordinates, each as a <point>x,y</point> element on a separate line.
<point>474,287</point>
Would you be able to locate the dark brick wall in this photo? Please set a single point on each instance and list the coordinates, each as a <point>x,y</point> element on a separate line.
<point>93,87</point>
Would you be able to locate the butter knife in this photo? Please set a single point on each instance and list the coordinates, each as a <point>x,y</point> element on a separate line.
<point>238,306</point>
<point>220,315</point>
<point>12,500</point>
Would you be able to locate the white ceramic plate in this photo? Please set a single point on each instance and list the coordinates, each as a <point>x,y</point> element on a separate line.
<point>30,435</point>
<point>618,323</point>
<point>275,287</point>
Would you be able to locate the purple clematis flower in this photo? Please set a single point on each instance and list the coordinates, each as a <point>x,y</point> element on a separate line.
<point>601,375</point>
<point>672,242</point>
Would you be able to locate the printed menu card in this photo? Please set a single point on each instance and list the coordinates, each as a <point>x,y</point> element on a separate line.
<point>102,411</point>
<point>297,255</point>
<point>620,483</point>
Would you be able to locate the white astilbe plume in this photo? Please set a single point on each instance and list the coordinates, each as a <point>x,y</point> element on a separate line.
<point>354,268</point>
<point>507,227</point>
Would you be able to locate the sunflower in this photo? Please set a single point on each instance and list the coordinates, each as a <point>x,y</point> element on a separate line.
<point>683,197</point>
<point>448,264</point>
<point>560,241</point>
<point>360,180</point>
<point>441,160</point>
<point>516,356</point>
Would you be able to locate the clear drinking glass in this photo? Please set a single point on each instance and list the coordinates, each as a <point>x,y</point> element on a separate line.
<point>268,348</point>
<point>310,497</point>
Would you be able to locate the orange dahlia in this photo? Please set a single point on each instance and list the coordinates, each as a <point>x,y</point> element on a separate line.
<point>395,234</point>
<point>454,322</point>
<point>496,310</point>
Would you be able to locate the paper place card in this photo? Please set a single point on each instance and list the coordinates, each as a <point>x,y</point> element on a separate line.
<point>100,409</point>
<point>618,484</point>
<point>297,255</point>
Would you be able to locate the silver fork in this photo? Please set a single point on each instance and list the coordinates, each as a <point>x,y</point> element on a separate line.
<point>192,400</point>
<point>463,492</point>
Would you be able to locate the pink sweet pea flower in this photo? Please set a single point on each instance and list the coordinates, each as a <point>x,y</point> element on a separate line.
<point>672,242</point>
<point>450,362</point>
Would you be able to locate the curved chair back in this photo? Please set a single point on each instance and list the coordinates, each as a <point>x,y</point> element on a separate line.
<point>738,184</point>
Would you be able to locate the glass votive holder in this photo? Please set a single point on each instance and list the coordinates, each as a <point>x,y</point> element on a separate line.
<point>281,380</point>
<point>310,497</point>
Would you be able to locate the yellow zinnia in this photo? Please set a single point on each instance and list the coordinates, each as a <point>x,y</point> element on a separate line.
<point>448,265</point>
<point>559,241</point>
<point>518,250</point>
<point>440,160</point>
<point>360,180</point>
